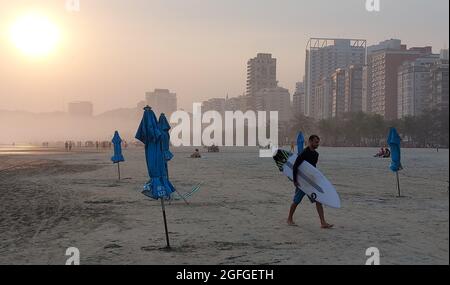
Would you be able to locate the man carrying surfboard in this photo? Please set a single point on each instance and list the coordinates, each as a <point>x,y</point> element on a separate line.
<point>310,155</point>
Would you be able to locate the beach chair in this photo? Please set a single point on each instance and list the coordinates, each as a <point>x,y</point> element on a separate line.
<point>176,196</point>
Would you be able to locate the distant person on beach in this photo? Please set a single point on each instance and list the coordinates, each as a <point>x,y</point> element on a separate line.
<point>196,154</point>
<point>292,147</point>
<point>70,146</point>
<point>381,153</point>
<point>387,153</point>
<point>312,156</point>
<point>66,146</point>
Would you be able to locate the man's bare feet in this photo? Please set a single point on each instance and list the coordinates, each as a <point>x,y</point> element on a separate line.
<point>291,223</point>
<point>326,226</point>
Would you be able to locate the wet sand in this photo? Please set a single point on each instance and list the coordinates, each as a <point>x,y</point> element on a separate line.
<point>52,200</point>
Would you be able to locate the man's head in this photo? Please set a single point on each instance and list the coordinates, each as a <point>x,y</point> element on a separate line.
<point>314,142</point>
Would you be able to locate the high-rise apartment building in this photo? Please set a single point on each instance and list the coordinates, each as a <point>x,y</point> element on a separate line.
<point>298,99</point>
<point>353,89</point>
<point>338,93</point>
<point>439,85</point>
<point>275,99</point>
<point>214,104</point>
<point>261,73</point>
<point>323,99</point>
<point>162,101</point>
<point>383,64</point>
<point>323,57</point>
<point>414,86</point>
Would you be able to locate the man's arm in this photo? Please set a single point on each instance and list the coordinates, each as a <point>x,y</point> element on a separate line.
<point>297,163</point>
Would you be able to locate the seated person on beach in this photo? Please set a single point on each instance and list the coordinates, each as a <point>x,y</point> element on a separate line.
<point>381,153</point>
<point>196,154</point>
<point>387,153</point>
<point>213,148</point>
<point>312,156</point>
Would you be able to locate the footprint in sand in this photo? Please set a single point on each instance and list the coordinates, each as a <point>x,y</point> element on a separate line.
<point>112,246</point>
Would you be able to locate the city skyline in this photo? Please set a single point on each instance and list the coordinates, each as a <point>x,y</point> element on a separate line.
<point>183,54</point>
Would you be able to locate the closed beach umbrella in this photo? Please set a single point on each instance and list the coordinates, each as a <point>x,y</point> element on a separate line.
<point>159,186</point>
<point>300,143</point>
<point>394,142</point>
<point>164,126</point>
<point>117,157</point>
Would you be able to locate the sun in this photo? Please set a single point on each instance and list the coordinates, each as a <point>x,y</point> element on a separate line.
<point>34,35</point>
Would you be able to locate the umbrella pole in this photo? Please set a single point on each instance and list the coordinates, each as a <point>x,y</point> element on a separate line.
<point>118,169</point>
<point>165,222</point>
<point>398,185</point>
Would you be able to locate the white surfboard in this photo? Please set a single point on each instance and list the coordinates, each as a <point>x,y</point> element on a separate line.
<point>313,183</point>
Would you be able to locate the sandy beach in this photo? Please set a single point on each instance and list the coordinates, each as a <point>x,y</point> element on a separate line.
<point>52,200</point>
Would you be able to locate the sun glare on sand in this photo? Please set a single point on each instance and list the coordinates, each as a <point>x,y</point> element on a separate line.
<point>34,35</point>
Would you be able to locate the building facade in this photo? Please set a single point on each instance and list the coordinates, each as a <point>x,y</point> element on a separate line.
<point>323,57</point>
<point>392,44</point>
<point>414,86</point>
<point>236,104</point>
<point>338,93</point>
<point>383,81</point>
<point>298,99</point>
<point>439,85</point>
<point>366,91</point>
<point>275,99</point>
<point>214,104</point>
<point>162,101</point>
<point>353,89</point>
<point>261,73</point>
<point>323,99</point>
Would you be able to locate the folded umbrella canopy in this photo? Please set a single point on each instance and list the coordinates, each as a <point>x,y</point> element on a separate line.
<point>394,142</point>
<point>117,157</point>
<point>164,127</point>
<point>149,133</point>
<point>159,186</point>
<point>117,142</point>
<point>300,143</point>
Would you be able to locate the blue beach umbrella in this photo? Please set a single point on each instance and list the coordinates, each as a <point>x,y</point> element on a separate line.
<point>159,186</point>
<point>164,126</point>
<point>394,142</point>
<point>149,133</point>
<point>117,157</point>
<point>300,143</point>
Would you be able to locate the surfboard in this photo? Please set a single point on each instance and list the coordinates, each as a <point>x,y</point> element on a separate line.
<point>311,180</point>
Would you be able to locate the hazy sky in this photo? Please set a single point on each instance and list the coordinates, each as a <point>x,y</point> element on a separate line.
<point>112,51</point>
